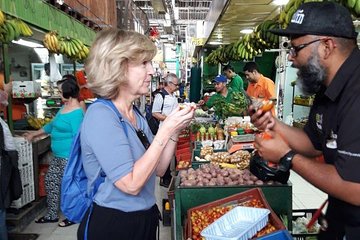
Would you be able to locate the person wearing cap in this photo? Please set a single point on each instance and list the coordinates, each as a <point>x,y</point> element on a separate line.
<point>259,86</point>
<point>323,47</point>
<point>236,82</point>
<point>221,92</point>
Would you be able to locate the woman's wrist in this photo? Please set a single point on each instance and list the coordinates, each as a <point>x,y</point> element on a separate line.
<point>174,139</point>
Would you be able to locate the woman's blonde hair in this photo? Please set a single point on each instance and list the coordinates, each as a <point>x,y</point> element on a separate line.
<point>110,54</point>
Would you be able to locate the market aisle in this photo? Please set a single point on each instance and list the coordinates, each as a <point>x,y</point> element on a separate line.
<point>305,196</point>
<point>51,231</point>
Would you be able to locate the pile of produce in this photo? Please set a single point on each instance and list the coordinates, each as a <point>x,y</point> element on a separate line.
<point>37,123</point>
<point>200,219</point>
<point>236,107</point>
<point>240,159</point>
<point>12,29</point>
<point>207,131</point>
<point>214,175</point>
<point>71,47</point>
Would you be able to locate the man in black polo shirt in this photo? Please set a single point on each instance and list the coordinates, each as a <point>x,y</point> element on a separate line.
<point>323,48</point>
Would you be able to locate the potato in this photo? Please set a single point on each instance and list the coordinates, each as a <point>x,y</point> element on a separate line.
<point>259,182</point>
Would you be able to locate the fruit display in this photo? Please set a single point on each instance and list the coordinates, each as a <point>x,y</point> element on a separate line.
<point>200,219</point>
<point>12,29</point>
<point>71,47</point>
<point>207,131</point>
<point>214,175</point>
<point>37,123</point>
<point>248,47</point>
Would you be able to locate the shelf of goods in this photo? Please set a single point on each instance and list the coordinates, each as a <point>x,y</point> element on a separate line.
<point>279,197</point>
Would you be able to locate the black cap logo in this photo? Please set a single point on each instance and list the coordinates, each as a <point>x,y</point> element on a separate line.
<point>298,17</point>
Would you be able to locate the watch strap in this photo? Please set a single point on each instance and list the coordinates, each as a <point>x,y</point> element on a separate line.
<point>285,163</point>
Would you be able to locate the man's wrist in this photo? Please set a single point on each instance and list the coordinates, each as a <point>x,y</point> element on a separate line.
<point>285,162</point>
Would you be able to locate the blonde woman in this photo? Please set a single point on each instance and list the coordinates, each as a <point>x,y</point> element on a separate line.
<point>119,69</point>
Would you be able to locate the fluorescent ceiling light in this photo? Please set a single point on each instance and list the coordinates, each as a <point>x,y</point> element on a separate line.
<point>28,43</point>
<point>280,2</point>
<point>247,31</point>
<point>215,43</point>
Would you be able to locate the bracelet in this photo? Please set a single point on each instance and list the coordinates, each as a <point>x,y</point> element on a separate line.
<point>159,142</point>
<point>174,140</point>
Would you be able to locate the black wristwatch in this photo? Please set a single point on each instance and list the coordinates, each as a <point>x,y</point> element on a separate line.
<point>285,163</point>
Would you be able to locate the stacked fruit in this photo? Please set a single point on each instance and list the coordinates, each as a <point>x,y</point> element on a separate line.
<point>71,47</point>
<point>288,11</point>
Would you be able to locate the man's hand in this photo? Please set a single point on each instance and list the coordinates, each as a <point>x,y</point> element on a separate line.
<point>271,146</point>
<point>261,120</point>
<point>201,102</point>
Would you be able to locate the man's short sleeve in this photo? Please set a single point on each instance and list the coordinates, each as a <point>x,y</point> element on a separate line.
<point>158,102</point>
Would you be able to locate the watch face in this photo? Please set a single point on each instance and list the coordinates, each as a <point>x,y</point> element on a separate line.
<point>260,168</point>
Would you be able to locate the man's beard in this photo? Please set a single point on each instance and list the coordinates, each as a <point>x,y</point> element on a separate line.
<point>311,76</point>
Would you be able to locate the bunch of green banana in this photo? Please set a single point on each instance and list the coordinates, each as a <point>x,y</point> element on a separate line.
<point>269,39</point>
<point>25,30</point>
<point>288,11</point>
<point>51,41</point>
<point>73,48</point>
<point>353,6</point>
<point>2,17</point>
<point>9,31</point>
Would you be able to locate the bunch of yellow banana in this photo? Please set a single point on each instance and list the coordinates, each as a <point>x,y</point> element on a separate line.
<point>73,48</point>
<point>35,123</point>
<point>51,42</point>
<point>25,30</point>
<point>2,17</point>
<point>9,31</point>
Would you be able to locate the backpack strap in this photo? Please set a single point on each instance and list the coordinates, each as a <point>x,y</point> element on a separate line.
<point>110,104</point>
<point>162,93</point>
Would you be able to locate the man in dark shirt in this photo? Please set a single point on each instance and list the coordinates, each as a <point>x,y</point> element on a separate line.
<point>323,48</point>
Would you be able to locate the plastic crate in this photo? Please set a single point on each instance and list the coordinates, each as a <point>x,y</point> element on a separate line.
<point>278,235</point>
<point>27,196</point>
<point>308,213</point>
<point>238,199</point>
<point>24,149</point>
<point>26,173</point>
<point>240,223</point>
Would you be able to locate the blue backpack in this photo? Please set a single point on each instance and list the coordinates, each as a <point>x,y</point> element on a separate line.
<point>75,200</point>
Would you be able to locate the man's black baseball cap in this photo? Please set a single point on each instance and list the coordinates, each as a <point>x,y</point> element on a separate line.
<point>320,18</point>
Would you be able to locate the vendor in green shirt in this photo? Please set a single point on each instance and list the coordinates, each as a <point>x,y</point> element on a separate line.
<point>236,82</point>
<point>222,92</point>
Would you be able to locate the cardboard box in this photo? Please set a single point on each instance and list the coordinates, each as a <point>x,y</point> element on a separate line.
<point>26,89</point>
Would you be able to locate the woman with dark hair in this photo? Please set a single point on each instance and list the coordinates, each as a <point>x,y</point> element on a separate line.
<point>62,129</point>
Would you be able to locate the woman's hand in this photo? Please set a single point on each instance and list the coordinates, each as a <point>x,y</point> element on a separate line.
<point>28,136</point>
<point>272,147</point>
<point>179,119</point>
<point>261,120</point>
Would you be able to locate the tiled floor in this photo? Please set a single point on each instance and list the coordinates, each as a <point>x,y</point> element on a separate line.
<point>305,196</point>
